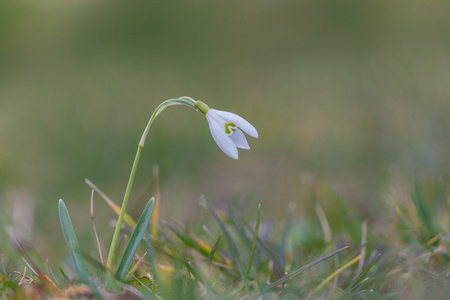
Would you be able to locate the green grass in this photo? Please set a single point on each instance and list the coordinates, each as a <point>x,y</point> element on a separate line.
<point>402,257</point>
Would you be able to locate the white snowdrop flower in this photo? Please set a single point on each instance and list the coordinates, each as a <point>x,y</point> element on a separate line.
<point>227,129</point>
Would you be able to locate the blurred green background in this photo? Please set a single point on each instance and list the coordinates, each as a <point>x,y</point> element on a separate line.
<point>354,93</point>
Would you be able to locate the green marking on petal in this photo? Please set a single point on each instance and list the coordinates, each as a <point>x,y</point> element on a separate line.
<point>229,128</point>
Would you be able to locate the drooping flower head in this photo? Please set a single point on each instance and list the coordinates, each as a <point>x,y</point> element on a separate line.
<point>227,129</point>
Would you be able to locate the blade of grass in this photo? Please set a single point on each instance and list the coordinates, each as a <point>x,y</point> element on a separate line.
<point>252,251</point>
<point>29,265</point>
<point>192,243</point>
<point>286,230</point>
<point>423,214</point>
<point>263,247</point>
<point>134,268</point>
<point>198,280</point>
<point>5,269</point>
<point>231,243</point>
<point>382,277</point>
<point>116,208</point>
<point>239,223</point>
<point>188,240</point>
<point>151,256</point>
<point>305,267</point>
<point>363,246</point>
<point>235,221</point>
<point>155,216</point>
<point>45,265</point>
<point>23,276</point>
<point>198,240</point>
<point>191,284</point>
<point>95,230</point>
<point>50,272</point>
<point>3,263</point>
<point>203,245</point>
<point>327,236</point>
<point>63,274</point>
<point>259,283</point>
<point>213,250</point>
<point>72,242</point>
<point>361,275</point>
<point>337,272</point>
<point>136,238</point>
<point>354,288</point>
<point>402,215</point>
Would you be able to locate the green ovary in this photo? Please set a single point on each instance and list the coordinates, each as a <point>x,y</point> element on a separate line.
<point>229,128</point>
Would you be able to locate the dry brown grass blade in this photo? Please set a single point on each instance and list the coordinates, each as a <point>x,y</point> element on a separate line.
<point>201,243</point>
<point>23,276</point>
<point>155,215</point>
<point>136,265</point>
<point>363,246</point>
<point>48,284</point>
<point>442,247</point>
<point>324,223</point>
<point>45,281</point>
<point>95,230</point>
<point>116,208</point>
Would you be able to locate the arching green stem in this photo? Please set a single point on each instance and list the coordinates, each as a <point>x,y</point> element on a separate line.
<point>163,106</point>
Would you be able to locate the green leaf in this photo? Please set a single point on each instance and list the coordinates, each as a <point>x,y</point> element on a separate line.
<point>72,242</point>
<point>136,238</point>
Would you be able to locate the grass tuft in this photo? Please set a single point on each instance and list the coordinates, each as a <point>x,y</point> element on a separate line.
<point>180,262</point>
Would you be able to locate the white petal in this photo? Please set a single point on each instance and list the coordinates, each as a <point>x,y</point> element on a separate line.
<point>239,139</point>
<point>222,140</point>
<point>239,121</point>
<point>212,114</point>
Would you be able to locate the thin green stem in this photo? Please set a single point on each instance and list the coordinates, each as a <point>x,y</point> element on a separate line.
<point>163,106</point>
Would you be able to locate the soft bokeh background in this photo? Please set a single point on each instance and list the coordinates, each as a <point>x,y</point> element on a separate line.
<point>354,93</point>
